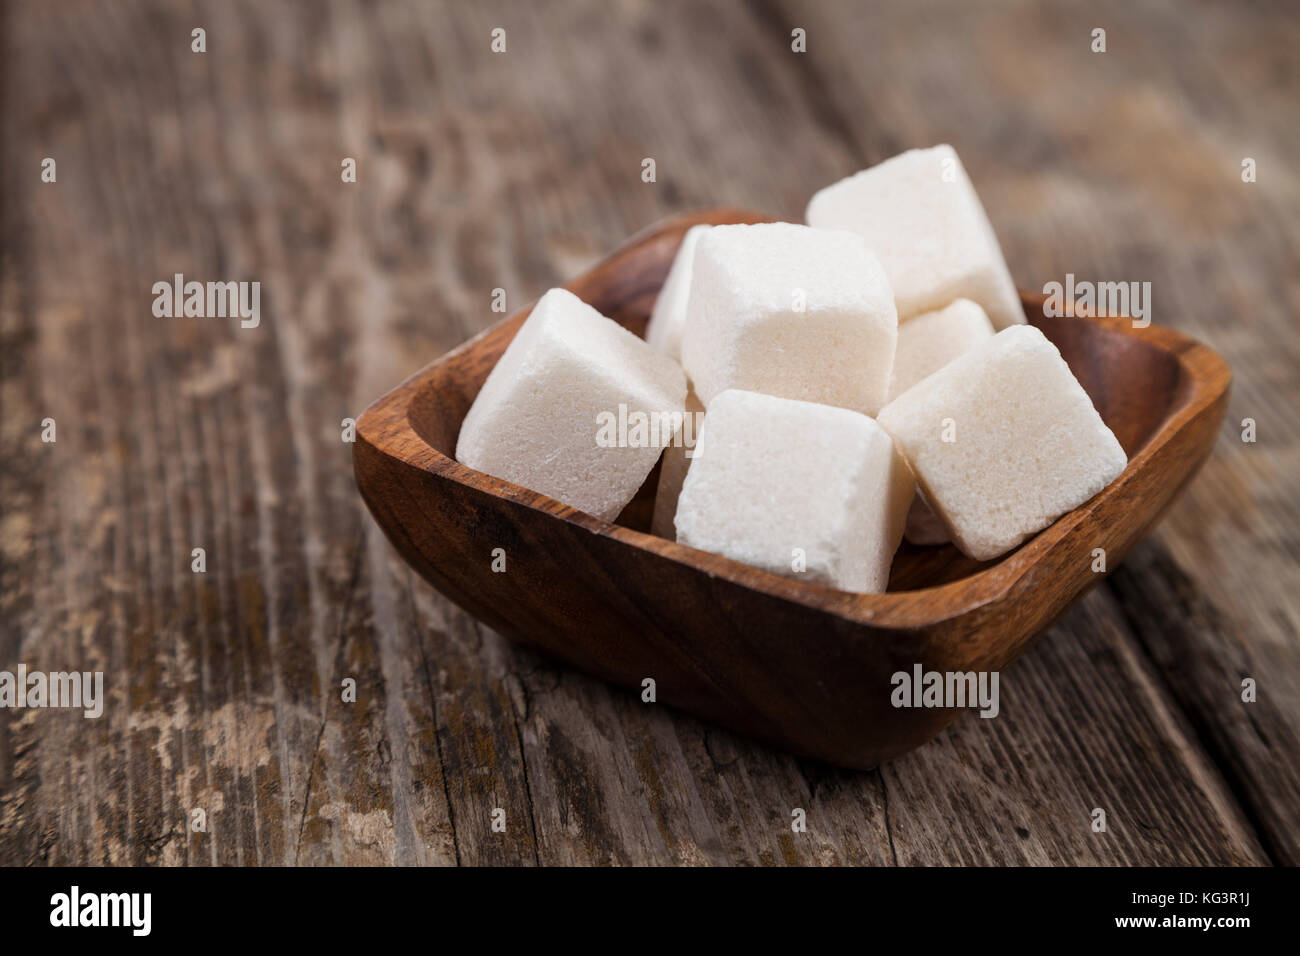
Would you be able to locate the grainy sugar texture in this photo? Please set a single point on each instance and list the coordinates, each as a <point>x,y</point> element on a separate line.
<point>537,419</point>
<point>790,311</point>
<point>926,343</point>
<point>919,213</point>
<point>1003,441</point>
<point>668,319</point>
<point>929,341</point>
<point>782,484</point>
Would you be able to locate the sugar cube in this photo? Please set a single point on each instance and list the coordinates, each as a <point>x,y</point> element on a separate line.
<point>802,490</point>
<point>926,343</point>
<point>919,213</point>
<point>1003,441</point>
<point>929,341</point>
<point>664,330</point>
<point>576,408</point>
<point>676,462</point>
<point>790,311</point>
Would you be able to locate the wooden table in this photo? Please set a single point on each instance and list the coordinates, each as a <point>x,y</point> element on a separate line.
<point>479,171</point>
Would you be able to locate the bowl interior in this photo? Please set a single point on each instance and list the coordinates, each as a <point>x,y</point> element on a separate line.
<point>1134,385</point>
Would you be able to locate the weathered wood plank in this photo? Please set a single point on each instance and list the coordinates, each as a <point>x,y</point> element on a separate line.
<point>479,171</point>
<point>1127,165</point>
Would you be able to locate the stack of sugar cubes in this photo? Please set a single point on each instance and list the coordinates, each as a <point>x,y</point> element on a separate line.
<point>864,376</point>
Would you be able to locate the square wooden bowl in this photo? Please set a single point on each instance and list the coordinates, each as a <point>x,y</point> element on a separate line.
<point>804,667</point>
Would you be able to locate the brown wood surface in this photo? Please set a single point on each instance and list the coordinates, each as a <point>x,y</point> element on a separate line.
<point>714,634</point>
<point>479,171</point>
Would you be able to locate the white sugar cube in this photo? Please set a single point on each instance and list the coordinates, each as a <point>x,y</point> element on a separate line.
<point>664,330</point>
<point>929,341</point>
<point>549,417</point>
<point>926,343</point>
<point>672,473</point>
<point>919,213</point>
<point>802,490</point>
<point>1003,441</point>
<point>790,311</point>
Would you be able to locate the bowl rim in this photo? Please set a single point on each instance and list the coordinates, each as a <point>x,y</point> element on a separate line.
<point>1204,380</point>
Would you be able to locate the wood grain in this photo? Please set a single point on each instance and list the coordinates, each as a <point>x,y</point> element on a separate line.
<point>624,605</point>
<point>517,171</point>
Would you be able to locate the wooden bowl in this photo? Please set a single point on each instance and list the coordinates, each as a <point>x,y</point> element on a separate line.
<point>804,667</point>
